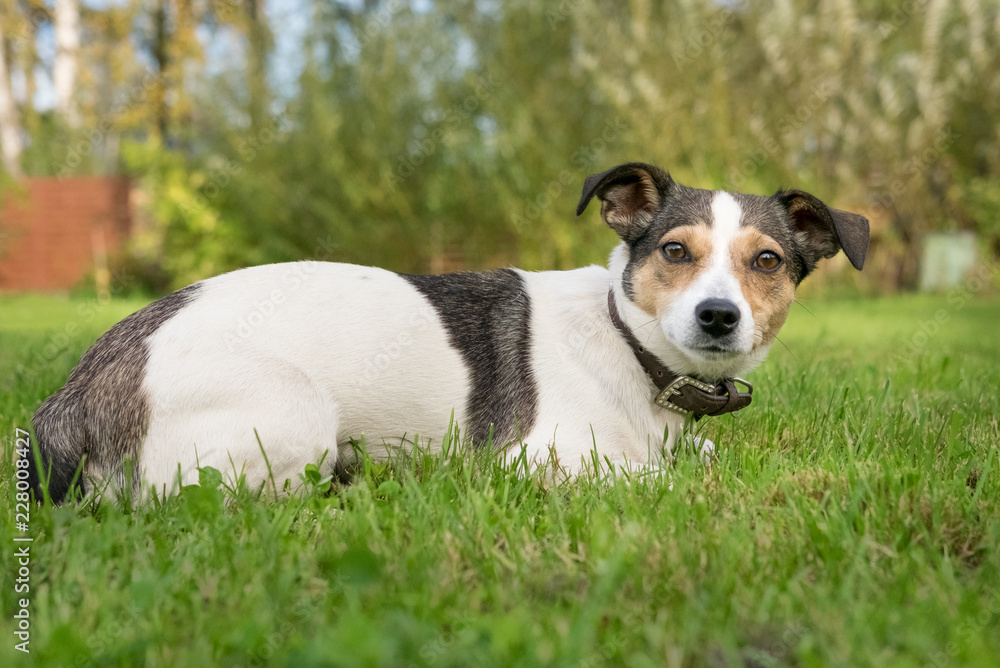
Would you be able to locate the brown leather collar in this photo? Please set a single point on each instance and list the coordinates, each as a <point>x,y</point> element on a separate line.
<point>682,394</point>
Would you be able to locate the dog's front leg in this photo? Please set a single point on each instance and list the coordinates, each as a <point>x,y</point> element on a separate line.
<point>680,435</point>
<point>706,449</point>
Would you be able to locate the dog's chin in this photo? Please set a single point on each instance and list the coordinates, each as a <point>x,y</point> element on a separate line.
<point>709,361</point>
<point>714,352</point>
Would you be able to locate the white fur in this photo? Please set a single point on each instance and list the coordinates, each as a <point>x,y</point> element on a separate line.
<point>717,281</point>
<point>300,359</point>
<point>592,393</point>
<point>304,356</point>
<point>307,356</point>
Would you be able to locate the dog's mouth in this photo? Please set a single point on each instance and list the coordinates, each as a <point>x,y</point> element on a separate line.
<point>695,352</point>
<point>715,351</point>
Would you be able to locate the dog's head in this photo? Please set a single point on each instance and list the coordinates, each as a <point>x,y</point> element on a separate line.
<point>718,270</point>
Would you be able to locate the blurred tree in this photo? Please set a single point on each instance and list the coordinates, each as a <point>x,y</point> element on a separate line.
<point>259,45</point>
<point>25,60</point>
<point>432,136</point>
<point>169,36</point>
<point>865,103</point>
<point>67,32</point>
<point>416,142</point>
<point>10,126</point>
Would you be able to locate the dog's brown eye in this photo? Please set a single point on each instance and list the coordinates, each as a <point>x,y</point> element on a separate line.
<point>675,251</point>
<point>767,261</point>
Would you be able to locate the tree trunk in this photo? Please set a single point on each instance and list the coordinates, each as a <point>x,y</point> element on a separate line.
<point>67,30</point>
<point>10,130</point>
<point>258,39</point>
<point>162,62</point>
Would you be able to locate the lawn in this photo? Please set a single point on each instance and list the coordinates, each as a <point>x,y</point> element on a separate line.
<point>852,518</point>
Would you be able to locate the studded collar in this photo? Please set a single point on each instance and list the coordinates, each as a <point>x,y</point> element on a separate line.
<point>682,394</point>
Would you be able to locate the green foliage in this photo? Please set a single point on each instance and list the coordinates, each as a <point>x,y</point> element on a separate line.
<point>851,518</point>
<point>458,136</point>
<point>982,197</point>
<point>190,238</point>
<point>54,150</point>
<point>447,135</point>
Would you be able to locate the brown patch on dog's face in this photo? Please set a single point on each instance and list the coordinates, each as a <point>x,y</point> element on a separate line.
<point>657,282</point>
<point>769,292</point>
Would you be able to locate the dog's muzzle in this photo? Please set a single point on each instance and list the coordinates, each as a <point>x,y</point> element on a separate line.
<point>683,394</point>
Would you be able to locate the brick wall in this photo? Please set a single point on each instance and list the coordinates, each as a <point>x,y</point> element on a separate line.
<point>51,229</point>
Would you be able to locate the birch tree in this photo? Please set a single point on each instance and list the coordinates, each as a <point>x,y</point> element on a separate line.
<point>64,74</point>
<point>10,130</point>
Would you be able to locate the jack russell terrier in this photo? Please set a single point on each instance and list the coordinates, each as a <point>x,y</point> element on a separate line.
<point>264,370</point>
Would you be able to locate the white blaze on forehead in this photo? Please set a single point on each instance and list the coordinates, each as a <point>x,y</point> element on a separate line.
<point>726,214</point>
<point>717,280</point>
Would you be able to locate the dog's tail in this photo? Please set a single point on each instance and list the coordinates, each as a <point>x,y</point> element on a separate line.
<point>60,431</point>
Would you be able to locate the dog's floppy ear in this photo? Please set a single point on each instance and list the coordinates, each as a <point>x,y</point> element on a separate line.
<point>630,194</point>
<point>821,231</point>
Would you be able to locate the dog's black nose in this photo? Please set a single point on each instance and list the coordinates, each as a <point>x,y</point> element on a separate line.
<point>717,317</point>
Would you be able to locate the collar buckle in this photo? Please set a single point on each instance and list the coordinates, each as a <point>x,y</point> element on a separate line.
<point>702,399</point>
<point>744,383</point>
<point>663,399</point>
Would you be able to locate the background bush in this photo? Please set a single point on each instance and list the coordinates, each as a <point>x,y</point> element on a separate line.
<point>429,136</point>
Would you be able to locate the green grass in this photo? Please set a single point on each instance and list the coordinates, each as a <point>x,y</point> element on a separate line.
<point>852,519</point>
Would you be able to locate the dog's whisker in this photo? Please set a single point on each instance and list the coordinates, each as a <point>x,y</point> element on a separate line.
<point>803,306</point>
<point>651,332</point>
<point>786,348</point>
<point>648,336</point>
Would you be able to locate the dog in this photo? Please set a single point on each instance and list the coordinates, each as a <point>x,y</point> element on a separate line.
<point>264,370</point>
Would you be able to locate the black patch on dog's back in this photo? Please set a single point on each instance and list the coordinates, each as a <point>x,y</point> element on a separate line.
<point>102,411</point>
<point>488,318</point>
